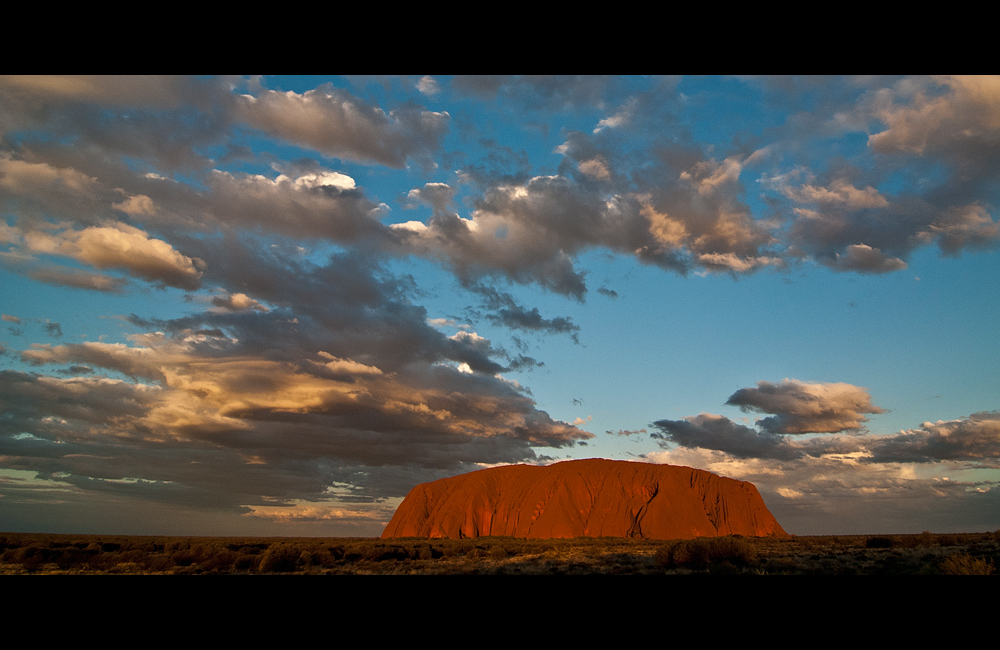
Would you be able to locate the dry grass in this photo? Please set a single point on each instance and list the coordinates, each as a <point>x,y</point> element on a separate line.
<point>964,564</point>
<point>927,553</point>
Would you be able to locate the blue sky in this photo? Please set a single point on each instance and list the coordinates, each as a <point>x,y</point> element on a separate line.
<point>272,305</point>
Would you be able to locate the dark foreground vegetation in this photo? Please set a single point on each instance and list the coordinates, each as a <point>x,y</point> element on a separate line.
<point>924,554</point>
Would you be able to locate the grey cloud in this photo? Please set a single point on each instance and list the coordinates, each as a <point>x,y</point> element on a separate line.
<point>334,122</point>
<point>508,313</point>
<point>927,115</point>
<point>962,227</point>
<point>237,302</point>
<point>975,439</point>
<point>77,279</point>
<point>116,357</point>
<point>164,118</point>
<point>627,432</point>
<point>709,431</point>
<point>865,259</point>
<point>30,401</point>
<point>76,370</point>
<point>879,240</point>
<point>122,246</point>
<point>523,362</point>
<point>532,232</point>
<point>312,205</point>
<point>151,91</point>
<point>110,245</point>
<point>360,383</point>
<point>556,92</point>
<point>802,407</point>
<point>831,495</point>
<point>34,188</point>
<point>806,407</point>
<point>937,133</point>
<point>214,428</point>
<point>485,86</point>
<point>677,209</point>
<point>527,235</point>
<point>316,203</point>
<point>437,195</point>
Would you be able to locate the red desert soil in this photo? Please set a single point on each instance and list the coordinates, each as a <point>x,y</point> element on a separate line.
<point>585,498</point>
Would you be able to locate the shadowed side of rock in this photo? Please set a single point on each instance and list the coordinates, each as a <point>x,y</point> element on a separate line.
<point>584,498</point>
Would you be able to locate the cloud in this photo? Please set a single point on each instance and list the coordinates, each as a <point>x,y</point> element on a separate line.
<point>119,245</point>
<point>839,192</point>
<point>818,495</point>
<point>731,262</point>
<point>537,92</point>
<point>923,115</point>
<point>437,195</point>
<point>865,259</point>
<point>975,439</point>
<point>322,203</point>
<point>625,432</point>
<point>274,424</point>
<point>428,85</point>
<point>155,91</point>
<point>334,122</point>
<point>595,168</point>
<point>77,279</point>
<point>960,227</point>
<point>508,313</point>
<point>846,481</point>
<point>238,302</point>
<point>806,407</point>
<point>620,118</point>
<point>533,232</point>
<point>154,117</point>
<point>40,187</point>
<point>362,391</point>
<point>525,234</point>
<point>717,432</point>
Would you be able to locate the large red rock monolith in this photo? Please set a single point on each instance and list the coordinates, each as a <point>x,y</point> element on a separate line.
<point>585,498</point>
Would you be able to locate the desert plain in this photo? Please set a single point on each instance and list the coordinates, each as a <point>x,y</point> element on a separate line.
<point>923,554</point>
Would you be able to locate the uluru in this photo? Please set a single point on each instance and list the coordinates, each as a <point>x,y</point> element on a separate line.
<point>585,498</point>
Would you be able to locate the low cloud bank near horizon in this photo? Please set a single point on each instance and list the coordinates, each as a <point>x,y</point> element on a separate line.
<point>847,470</point>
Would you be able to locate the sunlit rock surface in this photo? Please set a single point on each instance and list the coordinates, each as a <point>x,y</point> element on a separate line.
<point>584,498</point>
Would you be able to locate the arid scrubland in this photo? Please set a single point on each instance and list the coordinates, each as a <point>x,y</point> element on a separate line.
<point>923,554</point>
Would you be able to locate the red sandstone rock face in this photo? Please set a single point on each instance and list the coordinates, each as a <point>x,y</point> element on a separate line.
<point>585,498</point>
